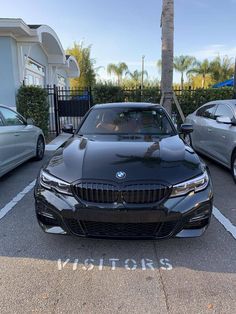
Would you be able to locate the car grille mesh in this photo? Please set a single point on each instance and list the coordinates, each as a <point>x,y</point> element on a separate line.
<point>122,230</point>
<point>130,194</point>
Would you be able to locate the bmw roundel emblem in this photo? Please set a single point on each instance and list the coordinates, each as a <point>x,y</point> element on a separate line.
<point>120,175</point>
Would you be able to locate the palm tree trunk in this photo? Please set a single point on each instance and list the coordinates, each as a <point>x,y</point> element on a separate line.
<point>118,80</point>
<point>203,80</point>
<point>167,23</point>
<point>182,80</point>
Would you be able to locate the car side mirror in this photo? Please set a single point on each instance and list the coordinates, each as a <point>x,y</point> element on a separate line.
<point>30,121</point>
<point>68,128</point>
<point>223,119</point>
<point>186,128</point>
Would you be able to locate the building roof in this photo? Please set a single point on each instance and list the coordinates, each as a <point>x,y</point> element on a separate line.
<point>45,36</point>
<point>226,83</point>
<point>34,26</point>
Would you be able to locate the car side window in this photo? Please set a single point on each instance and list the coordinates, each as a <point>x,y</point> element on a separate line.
<point>200,111</point>
<point>1,121</point>
<point>11,117</point>
<point>224,111</point>
<point>206,111</point>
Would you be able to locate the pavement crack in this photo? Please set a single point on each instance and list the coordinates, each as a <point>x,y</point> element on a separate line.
<point>162,281</point>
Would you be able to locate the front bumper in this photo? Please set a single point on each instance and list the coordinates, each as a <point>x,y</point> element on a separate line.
<point>186,216</point>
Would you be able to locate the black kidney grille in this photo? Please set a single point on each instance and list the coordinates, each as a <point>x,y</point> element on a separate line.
<point>131,194</point>
<point>144,193</point>
<point>97,192</point>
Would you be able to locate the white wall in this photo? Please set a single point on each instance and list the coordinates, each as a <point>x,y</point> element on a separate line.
<point>9,71</point>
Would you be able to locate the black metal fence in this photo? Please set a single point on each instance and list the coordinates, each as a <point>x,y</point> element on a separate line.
<point>67,106</point>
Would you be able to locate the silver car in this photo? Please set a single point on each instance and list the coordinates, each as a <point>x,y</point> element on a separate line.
<point>214,132</point>
<point>20,140</point>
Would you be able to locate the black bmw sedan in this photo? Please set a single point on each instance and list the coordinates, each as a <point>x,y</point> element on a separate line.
<point>125,173</point>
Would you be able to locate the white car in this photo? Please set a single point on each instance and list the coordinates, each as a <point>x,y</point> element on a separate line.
<point>20,140</point>
<point>214,132</point>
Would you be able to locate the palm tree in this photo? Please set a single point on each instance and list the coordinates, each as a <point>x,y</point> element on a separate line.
<point>222,69</point>
<point>183,64</point>
<point>201,68</point>
<point>167,24</point>
<point>118,70</point>
<point>136,76</point>
<point>159,65</point>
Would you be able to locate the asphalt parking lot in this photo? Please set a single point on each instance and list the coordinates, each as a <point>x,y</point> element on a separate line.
<point>56,274</point>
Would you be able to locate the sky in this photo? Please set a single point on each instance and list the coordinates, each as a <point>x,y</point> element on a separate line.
<point>124,30</point>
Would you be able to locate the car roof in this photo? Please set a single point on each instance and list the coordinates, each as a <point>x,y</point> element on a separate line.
<point>8,107</point>
<point>127,105</point>
<point>231,102</point>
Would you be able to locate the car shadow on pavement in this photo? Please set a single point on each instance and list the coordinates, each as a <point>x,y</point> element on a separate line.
<point>25,240</point>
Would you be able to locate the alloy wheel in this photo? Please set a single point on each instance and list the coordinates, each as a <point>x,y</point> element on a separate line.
<point>40,148</point>
<point>234,168</point>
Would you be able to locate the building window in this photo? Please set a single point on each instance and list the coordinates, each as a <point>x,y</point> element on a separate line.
<point>61,81</point>
<point>34,73</point>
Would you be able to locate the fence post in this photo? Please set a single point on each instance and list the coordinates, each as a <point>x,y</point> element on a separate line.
<point>140,93</point>
<point>234,94</point>
<point>90,97</point>
<point>55,99</point>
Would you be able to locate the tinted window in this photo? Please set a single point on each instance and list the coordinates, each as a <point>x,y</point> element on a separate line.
<point>11,117</point>
<point>206,111</point>
<point>1,121</point>
<point>200,111</point>
<point>127,121</point>
<point>224,111</point>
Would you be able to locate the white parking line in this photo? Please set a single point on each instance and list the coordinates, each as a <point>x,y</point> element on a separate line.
<point>16,199</point>
<point>225,222</point>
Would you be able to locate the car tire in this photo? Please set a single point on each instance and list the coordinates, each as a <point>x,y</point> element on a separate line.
<point>233,166</point>
<point>40,148</point>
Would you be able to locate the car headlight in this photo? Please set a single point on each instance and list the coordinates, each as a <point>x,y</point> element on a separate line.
<point>52,183</point>
<point>197,184</point>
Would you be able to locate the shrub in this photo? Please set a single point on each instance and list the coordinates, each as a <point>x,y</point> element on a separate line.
<point>190,100</point>
<point>32,103</point>
<point>105,93</point>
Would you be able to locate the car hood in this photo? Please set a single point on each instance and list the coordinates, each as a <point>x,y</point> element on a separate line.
<point>167,160</point>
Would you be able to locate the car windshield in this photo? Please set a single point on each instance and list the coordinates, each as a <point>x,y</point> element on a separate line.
<point>127,121</point>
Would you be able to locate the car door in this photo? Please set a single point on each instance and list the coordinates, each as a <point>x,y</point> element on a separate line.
<point>6,147</point>
<point>223,135</point>
<point>202,134</point>
<point>24,135</point>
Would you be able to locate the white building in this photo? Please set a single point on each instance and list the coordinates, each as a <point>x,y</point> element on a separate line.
<point>31,55</point>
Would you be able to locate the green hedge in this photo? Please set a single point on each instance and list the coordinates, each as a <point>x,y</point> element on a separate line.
<point>189,100</point>
<point>32,103</point>
<point>105,93</point>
